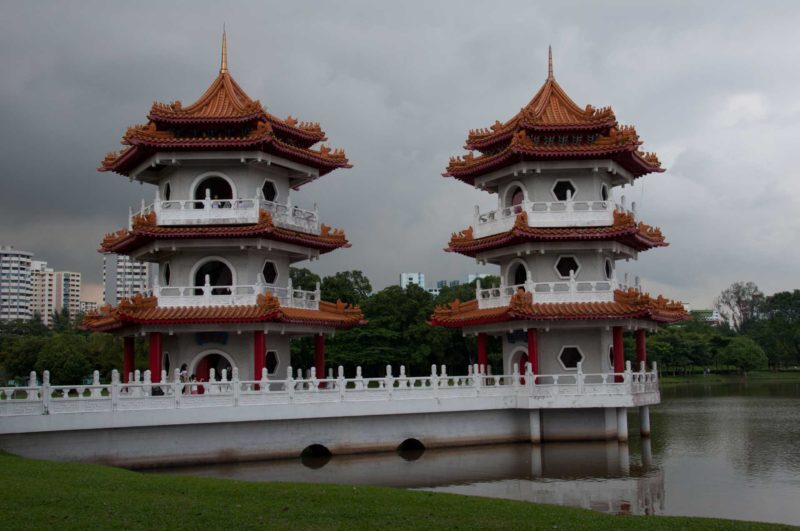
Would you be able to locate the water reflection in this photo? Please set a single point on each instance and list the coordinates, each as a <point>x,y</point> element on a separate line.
<point>591,475</point>
<point>721,450</point>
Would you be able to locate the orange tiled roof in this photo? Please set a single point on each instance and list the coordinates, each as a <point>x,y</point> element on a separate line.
<point>145,310</point>
<point>629,304</point>
<point>552,126</point>
<point>625,229</point>
<point>145,230</point>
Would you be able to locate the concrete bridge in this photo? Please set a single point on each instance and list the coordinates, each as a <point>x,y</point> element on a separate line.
<point>144,424</point>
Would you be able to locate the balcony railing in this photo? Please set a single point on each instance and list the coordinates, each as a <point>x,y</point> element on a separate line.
<point>356,396</point>
<point>239,295</point>
<point>210,211</point>
<point>569,213</point>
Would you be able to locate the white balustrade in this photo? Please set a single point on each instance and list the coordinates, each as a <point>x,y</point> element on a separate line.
<point>515,391</point>
<point>571,290</point>
<point>239,295</point>
<point>569,213</point>
<point>210,211</point>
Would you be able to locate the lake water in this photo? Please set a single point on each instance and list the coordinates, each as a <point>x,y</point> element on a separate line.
<point>722,450</point>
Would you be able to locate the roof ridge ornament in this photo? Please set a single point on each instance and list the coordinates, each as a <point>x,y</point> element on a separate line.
<point>223,67</point>
<point>550,62</point>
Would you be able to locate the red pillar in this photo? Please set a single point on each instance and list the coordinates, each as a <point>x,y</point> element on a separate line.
<point>483,357</point>
<point>259,353</point>
<point>155,357</point>
<point>619,353</point>
<point>128,365</point>
<point>319,355</point>
<point>533,349</point>
<point>641,347</point>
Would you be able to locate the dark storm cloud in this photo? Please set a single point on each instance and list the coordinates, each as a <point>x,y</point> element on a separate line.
<point>709,86</point>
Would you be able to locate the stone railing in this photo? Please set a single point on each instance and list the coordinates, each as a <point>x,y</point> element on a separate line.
<point>239,295</point>
<point>568,213</point>
<point>525,391</point>
<point>571,290</point>
<point>211,211</point>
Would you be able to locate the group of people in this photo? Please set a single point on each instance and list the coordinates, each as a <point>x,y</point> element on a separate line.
<point>193,388</point>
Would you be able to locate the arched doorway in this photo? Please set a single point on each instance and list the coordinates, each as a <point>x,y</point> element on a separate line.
<point>520,358</point>
<point>219,275</point>
<point>518,274</point>
<point>219,361</point>
<point>218,188</point>
<point>514,198</point>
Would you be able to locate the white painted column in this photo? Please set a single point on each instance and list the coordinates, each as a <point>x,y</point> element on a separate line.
<point>644,420</point>
<point>536,426</point>
<point>622,424</point>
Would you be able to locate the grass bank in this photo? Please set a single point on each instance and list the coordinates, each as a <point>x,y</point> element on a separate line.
<point>755,376</point>
<point>38,494</point>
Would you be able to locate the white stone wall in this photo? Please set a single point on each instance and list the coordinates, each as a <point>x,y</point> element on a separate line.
<point>594,343</point>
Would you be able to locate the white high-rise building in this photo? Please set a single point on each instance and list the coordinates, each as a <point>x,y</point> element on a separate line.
<point>124,277</point>
<point>43,280</point>
<point>68,292</point>
<point>412,278</point>
<point>15,284</point>
<point>87,306</point>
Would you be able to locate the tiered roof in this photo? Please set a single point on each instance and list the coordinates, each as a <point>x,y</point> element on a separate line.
<point>223,118</point>
<point>625,230</point>
<point>629,304</point>
<point>141,310</point>
<point>145,230</point>
<point>552,127</point>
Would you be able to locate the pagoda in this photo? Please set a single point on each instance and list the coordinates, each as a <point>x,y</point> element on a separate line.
<point>223,232</point>
<point>557,234</point>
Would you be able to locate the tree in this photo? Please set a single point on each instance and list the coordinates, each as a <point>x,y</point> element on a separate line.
<point>744,354</point>
<point>739,304</point>
<point>20,355</point>
<point>303,278</point>
<point>352,287</point>
<point>66,357</point>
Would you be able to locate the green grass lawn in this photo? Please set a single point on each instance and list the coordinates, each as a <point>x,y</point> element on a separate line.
<point>39,494</point>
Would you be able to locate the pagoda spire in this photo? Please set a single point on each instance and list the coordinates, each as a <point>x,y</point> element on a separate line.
<point>223,68</point>
<point>550,62</point>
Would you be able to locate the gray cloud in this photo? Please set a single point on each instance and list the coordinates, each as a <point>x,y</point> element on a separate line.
<point>711,87</point>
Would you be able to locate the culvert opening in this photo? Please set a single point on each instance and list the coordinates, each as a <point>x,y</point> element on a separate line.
<point>411,449</point>
<point>315,456</point>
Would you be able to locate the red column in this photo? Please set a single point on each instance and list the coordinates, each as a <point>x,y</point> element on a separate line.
<point>483,357</point>
<point>259,353</point>
<point>155,357</point>
<point>641,347</point>
<point>619,353</point>
<point>319,355</point>
<point>127,357</point>
<point>533,349</point>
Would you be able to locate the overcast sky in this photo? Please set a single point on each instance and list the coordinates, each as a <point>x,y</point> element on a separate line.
<point>712,87</point>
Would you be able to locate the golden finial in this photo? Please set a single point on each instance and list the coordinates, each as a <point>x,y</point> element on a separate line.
<point>223,69</point>
<point>550,62</point>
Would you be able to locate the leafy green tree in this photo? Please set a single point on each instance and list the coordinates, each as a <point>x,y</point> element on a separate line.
<point>744,354</point>
<point>303,278</point>
<point>66,357</point>
<point>739,304</point>
<point>20,356</point>
<point>352,287</point>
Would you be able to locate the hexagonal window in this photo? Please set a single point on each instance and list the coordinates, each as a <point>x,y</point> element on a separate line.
<point>564,190</point>
<point>567,264</point>
<point>569,357</point>
<point>270,272</point>
<point>269,191</point>
<point>609,269</point>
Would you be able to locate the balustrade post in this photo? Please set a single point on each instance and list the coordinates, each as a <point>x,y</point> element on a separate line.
<point>290,293</point>
<point>137,391</point>
<point>33,394</point>
<point>341,383</point>
<point>628,373</point>
<point>46,392</point>
<point>655,372</point>
<point>573,290</point>
<point>114,389</point>
<point>95,389</point>
<point>212,379</point>
<point>434,381</point>
<point>403,381</point>
<point>515,375</point>
<point>177,390</point>
<point>264,385</point>
<point>443,376</point>
<point>148,389</point>
<point>529,377</point>
<point>207,289</point>
<point>579,378</point>
<point>359,381</point>
<point>236,386</point>
<point>389,381</point>
<point>289,383</point>
<point>570,206</point>
<point>312,375</point>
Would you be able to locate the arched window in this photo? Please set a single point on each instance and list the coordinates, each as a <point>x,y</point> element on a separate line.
<point>218,189</point>
<point>520,274</point>
<point>218,274</point>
